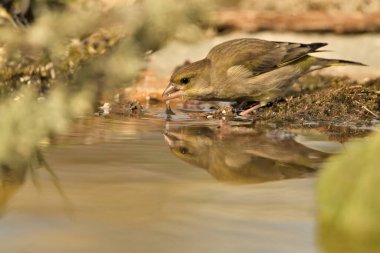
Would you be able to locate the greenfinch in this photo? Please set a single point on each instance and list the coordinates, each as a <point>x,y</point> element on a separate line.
<point>246,70</point>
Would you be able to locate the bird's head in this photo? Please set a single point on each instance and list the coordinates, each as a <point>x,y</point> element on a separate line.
<point>191,81</point>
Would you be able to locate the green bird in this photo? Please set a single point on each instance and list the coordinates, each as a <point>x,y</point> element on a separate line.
<point>245,70</point>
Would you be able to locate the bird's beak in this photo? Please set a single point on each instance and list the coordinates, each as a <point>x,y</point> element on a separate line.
<point>172,91</point>
<point>170,139</point>
<point>173,139</point>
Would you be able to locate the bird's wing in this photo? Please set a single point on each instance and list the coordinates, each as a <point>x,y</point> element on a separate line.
<point>259,56</point>
<point>264,62</point>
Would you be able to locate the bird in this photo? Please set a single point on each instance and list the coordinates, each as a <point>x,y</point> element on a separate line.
<point>247,70</point>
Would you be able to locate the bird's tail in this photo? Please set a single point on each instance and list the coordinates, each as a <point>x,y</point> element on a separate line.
<point>334,62</point>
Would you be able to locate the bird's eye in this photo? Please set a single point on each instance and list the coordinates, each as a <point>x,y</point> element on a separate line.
<point>185,80</point>
<point>183,150</point>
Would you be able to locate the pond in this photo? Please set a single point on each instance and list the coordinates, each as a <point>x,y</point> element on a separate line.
<point>150,185</point>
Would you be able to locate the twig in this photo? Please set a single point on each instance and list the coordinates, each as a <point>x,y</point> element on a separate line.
<point>371,112</point>
<point>355,87</point>
<point>366,108</point>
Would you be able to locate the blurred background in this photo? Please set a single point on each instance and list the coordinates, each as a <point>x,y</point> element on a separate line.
<point>82,80</point>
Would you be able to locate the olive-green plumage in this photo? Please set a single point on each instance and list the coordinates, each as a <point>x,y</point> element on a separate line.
<point>247,70</point>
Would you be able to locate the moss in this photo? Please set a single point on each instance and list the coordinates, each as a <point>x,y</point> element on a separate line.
<point>343,101</point>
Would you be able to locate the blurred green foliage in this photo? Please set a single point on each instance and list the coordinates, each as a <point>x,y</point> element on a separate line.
<point>53,69</point>
<point>348,199</point>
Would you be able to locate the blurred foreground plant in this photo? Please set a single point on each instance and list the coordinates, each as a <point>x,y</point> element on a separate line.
<point>52,70</point>
<point>348,199</point>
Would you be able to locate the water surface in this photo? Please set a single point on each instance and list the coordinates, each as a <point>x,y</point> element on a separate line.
<point>146,185</point>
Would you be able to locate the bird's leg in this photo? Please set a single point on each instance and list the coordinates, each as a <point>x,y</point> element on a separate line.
<point>262,104</point>
<point>240,106</point>
<point>248,111</point>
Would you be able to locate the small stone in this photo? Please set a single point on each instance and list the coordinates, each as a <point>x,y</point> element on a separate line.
<point>106,108</point>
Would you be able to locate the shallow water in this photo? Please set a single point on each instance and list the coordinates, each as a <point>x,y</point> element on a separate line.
<point>147,185</point>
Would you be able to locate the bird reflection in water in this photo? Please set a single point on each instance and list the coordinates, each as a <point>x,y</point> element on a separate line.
<point>244,154</point>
